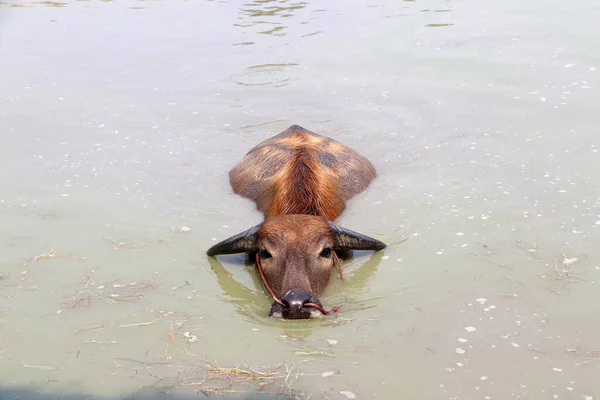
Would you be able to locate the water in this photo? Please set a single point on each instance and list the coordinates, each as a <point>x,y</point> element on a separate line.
<point>120,121</point>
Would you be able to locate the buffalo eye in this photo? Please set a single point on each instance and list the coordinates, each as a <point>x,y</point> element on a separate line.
<point>264,254</point>
<point>326,253</point>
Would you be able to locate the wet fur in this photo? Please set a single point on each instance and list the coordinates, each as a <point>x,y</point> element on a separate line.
<point>301,172</point>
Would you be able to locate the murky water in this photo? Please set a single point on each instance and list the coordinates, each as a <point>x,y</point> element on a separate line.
<point>120,120</point>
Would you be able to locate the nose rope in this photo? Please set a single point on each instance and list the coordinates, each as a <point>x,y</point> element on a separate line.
<point>278,301</point>
<point>324,311</point>
<point>339,265</point>
<point>262,275</point>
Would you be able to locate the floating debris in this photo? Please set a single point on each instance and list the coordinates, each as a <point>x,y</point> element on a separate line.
<point>108,292</point>
<point>52,254</point>
<point>208,377</point>
<point>49,254</point>
<point>43,367</point>
<point>191,338</point>
<point>140,323</point>
<point>568,261</point>
<point>136,244</point>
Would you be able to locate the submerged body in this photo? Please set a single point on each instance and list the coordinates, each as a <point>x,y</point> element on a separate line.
<point>300,181</point>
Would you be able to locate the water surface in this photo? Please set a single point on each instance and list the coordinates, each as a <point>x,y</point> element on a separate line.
<point>120,121</point>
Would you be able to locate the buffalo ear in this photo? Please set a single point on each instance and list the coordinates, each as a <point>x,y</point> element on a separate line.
<point>243,242</point>
<point>350,240</point>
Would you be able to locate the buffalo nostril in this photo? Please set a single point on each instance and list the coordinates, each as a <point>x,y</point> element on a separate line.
<point>295,299</point>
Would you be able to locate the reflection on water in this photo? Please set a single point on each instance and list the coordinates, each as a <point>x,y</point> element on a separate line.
<point>437,25</point>
<point>236,292</point>
<point>270,14</point>
<point>253,303</point>
<point>65,3</point>
<point>32,3</point>
<point>263,8</point>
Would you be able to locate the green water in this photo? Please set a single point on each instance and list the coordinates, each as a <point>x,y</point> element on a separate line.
<point>120,120</point>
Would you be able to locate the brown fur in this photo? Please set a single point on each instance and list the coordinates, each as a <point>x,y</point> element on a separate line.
<point>295,242</point>
<point>301,172</point>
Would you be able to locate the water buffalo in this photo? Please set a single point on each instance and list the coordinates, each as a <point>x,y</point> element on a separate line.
<point>300,181</point>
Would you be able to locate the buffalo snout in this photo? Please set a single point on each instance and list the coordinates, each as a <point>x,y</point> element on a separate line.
<point>297,304</point>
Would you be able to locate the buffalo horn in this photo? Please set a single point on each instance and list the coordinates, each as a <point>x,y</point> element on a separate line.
<point>243,242</point>
<point>347,239</point>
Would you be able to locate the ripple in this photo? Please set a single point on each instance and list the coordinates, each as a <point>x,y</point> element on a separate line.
<point>438,25</point>
<point>274,75</point>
